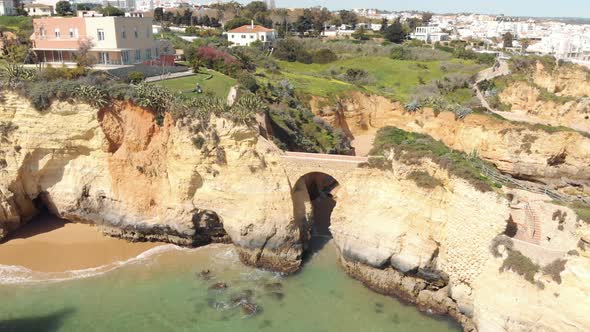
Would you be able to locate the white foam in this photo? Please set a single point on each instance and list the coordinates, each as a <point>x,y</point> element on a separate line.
<point>11,274</point>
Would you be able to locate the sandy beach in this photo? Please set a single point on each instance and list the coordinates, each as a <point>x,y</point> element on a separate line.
<point>49,244</point>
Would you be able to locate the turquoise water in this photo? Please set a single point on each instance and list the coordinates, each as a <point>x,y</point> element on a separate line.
<point>165,292</point>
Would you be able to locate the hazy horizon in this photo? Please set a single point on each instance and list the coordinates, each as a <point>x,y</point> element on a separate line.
<point>538,8</point>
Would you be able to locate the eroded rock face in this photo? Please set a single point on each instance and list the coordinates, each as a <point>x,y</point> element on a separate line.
<point>525,99</point>
<point>514,148</point>
<point>432,247</point>
<point>117,168</point>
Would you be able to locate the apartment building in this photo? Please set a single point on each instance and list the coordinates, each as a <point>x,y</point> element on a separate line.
<point>7,7</point>
<point>113,40</point>
<point>430,34</point>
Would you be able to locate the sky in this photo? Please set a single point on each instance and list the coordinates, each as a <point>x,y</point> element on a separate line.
<point>544,8</point>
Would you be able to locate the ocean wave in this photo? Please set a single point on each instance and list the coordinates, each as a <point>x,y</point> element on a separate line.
<point>12,274</point>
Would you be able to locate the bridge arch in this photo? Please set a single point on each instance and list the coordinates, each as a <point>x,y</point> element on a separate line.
<point>314,198</point>
<point>315,180</point>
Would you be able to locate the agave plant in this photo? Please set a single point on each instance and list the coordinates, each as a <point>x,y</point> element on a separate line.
<point>93,95</point>
<point>14,73</point>
<point>462,113</point>
<point>413,106</point>
<point>245,109</point>
<point>153,96</point>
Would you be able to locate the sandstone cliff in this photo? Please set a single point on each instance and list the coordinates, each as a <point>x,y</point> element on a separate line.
<point>526,100</point>
<point>117,168</point>
<point>434,248</point>
<point>519,149</point>
<point>191,183</point>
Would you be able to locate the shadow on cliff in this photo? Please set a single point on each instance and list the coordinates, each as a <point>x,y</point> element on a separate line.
<point>47,323</point>
<point>320,232</point>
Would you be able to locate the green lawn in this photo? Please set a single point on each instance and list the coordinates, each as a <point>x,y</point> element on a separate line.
<point>219,84</point>
<point>22,24</point>
<point>392,78</point>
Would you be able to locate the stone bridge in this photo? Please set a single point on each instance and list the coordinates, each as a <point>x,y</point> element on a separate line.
<point>299,164</point>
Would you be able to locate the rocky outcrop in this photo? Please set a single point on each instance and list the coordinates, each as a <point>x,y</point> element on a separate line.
<point>182,182</point>
<point>525,99</point>
<point>433,247</point>
<point>565,79</point>
<point>522,150</point>
<point>190,182</point>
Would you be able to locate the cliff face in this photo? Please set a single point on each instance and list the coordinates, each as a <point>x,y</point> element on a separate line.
<point>525,99</point>
<point>433,247</point>
<point>565,80</point>
<point>193,183</point>
<point>521,150</point>
<point>115,167</point>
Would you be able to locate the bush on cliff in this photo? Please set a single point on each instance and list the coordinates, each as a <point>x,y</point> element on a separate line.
<point>409,148</point>
<point>520,264</point>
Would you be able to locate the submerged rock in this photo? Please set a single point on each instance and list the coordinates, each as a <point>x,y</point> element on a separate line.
<point>218,285</point>
<point>244,296</point>
<point>273,286</point>
<point>251,309</point>
<point>205,274</point>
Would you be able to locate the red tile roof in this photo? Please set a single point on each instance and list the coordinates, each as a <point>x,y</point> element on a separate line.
<point>248,29</point>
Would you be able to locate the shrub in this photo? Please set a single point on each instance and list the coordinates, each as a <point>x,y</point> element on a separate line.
<point>93,95</point>
<point>248,82</point>
<point>497,242</point>
<point>520,264</point>
<point>291,50</point>
<point>462,113</point>
<point>424,180</point>
<point>582,211</point>
<point>51,73</point>
<point>153,97</point>
<point>356,75</point>
<point>135,77</point>
<point>554,269</point>
<point>413,106</point>
<point>324,56</point>
<point>409,148</point>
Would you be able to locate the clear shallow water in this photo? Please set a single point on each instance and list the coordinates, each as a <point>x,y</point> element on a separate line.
<point>164,292</point>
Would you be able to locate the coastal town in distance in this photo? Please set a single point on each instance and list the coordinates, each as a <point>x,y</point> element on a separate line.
<point>294,165</point>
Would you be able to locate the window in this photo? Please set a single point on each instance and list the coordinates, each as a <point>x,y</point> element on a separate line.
<point>72,33</point>
<point>125,57</point>
<point>123,34</point>
<point>243,36</point>
<point>251,36</point>
<point>100,33</point>
<point>157,52</point>
<point>148,53</point>
<point>262,37</point>
<point>135,33</point>
<point>42,32</point>
<point>137,55</point>
<point>57,34</point>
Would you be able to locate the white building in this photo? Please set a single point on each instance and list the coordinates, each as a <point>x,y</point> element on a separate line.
<point>430,34</point>
<point>247,34</point>
<point>38,9</point>
<point>7,7</point>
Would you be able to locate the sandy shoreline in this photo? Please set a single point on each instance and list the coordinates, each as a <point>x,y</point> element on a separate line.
<point>49,244</point>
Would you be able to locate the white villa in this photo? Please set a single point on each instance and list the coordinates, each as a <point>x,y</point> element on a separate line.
<point>38,9</point>
<point>247,34</point>
<point>430,34</point>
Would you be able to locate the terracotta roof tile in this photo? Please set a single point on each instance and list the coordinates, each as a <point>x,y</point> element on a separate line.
<point>248,29</point>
